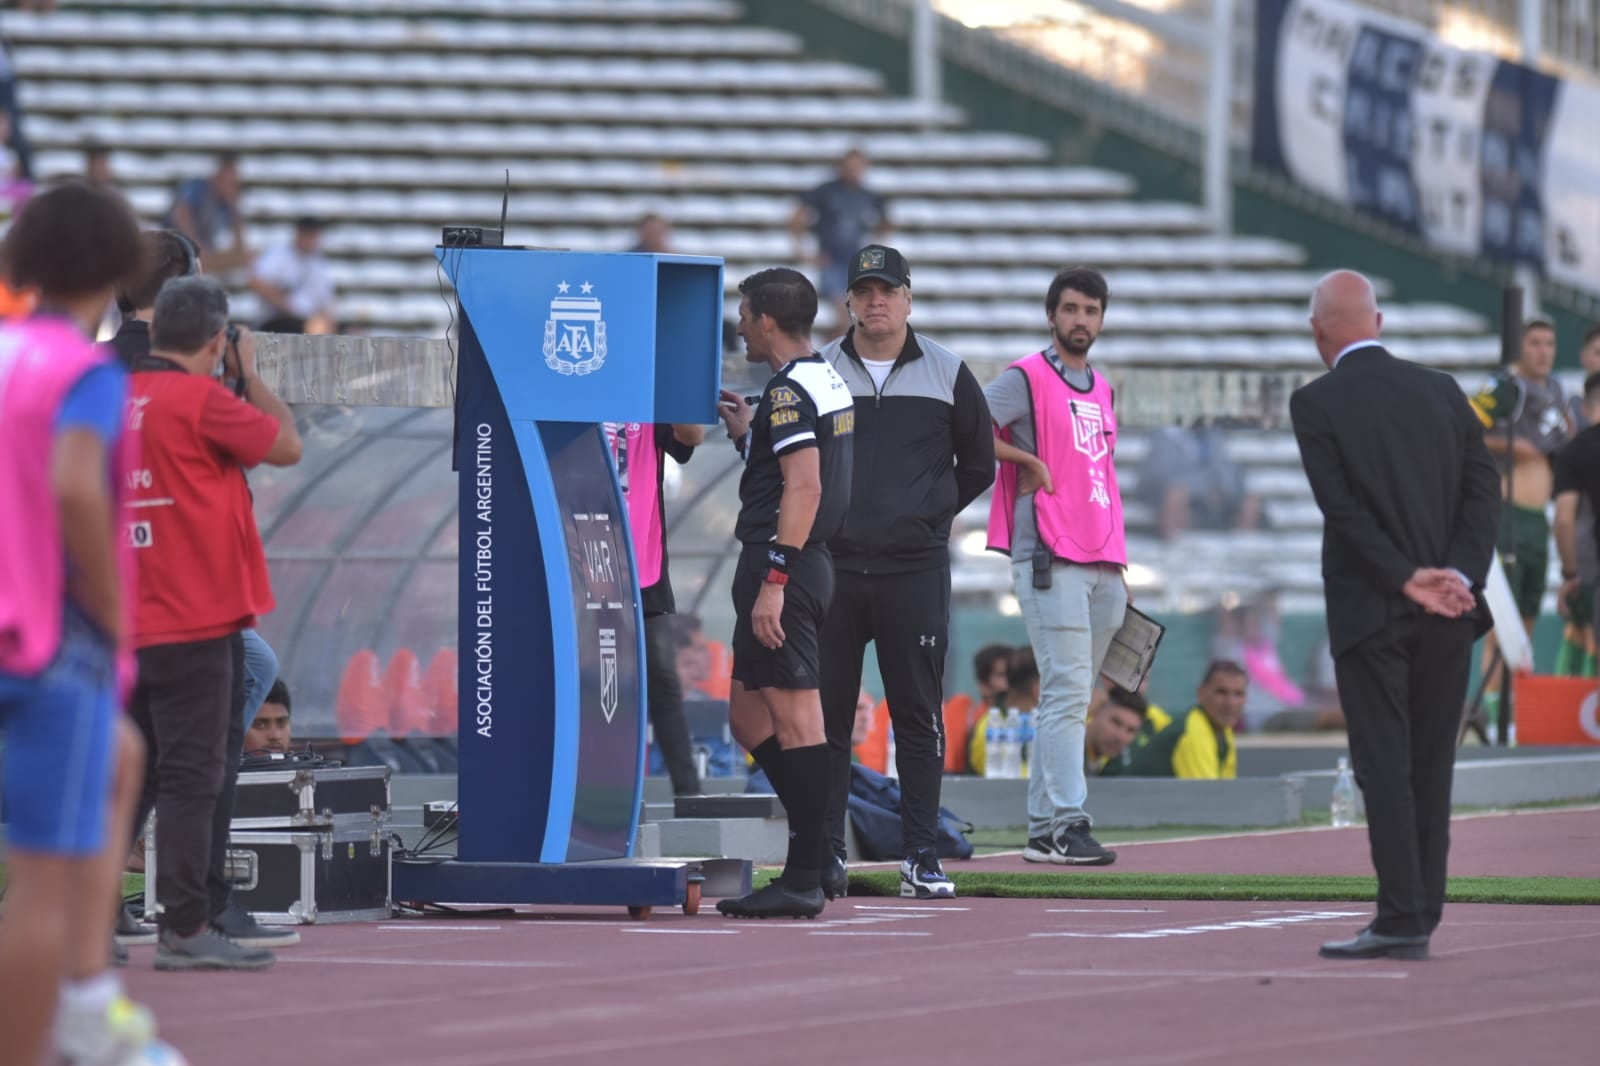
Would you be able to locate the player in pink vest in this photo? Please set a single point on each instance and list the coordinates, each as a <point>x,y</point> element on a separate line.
<point>1057,511</point>
<point>72,762</point>
<point>640,452</point>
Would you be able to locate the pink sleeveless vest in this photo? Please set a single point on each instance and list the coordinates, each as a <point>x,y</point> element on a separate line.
<point>40,360</point>
<point>633,447</point>
<point>1076,436</point>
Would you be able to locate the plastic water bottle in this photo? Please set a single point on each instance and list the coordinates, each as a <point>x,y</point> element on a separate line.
<point>1027,744</point>
<point>993,741</point>
<point>889,769</point>
<point>1344,795</point>
<point>1013,743</point>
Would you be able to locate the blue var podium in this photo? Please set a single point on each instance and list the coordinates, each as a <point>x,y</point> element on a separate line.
<point>551,639</point>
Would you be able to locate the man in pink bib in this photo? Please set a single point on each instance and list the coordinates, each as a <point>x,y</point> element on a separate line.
<point>1057,512</point>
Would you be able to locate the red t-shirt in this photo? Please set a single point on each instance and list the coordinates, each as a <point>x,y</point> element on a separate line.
<point>202,569</point>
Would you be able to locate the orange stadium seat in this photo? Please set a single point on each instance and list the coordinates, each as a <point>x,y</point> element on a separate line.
<point>440,686</point>
<point>410,711</point>
<point>719,681</point>
<point>874,751</point>
<point>360,708</point>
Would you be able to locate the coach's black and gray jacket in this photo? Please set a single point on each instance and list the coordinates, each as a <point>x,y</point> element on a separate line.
<point>924,449</point>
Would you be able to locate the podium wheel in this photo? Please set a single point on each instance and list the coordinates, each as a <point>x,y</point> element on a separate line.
<point>691,898</point>
<point>639,914</point>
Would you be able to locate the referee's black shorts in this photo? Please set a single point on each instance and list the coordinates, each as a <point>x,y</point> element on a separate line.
<point>795,665</point>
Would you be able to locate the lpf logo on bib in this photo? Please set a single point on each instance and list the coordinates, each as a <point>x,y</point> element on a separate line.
<point>1089,429</point>
<point>575,334</point>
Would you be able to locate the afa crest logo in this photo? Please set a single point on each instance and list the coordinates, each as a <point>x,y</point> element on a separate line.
<point>575,332</point>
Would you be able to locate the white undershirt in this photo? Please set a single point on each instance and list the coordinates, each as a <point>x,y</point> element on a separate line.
<point>879,369</point>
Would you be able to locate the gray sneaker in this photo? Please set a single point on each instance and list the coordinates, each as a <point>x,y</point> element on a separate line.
<point>130,932</point>
<point>207,950</point>
<point>236,924</point>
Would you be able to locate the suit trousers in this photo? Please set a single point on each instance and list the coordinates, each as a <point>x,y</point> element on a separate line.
<point>1402,691</point>
<point>907,618</point>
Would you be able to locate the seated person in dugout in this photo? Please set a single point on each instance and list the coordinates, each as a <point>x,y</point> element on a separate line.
<point>270,730</point>
<point>1199,743</point>
<point>1021,692</point>
<point>1116,719</point>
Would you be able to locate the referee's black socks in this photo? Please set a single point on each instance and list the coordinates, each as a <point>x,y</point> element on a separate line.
<point>805,772</point>
<point>769,756</point>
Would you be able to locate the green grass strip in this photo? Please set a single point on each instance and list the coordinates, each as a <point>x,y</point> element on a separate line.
<point>1078,884</point>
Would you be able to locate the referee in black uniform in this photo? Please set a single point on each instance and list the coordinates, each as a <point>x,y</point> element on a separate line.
<point>926,450</point>
<point>793,497</point>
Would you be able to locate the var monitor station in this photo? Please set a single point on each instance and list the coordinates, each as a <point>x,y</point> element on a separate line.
<point>551,639</point>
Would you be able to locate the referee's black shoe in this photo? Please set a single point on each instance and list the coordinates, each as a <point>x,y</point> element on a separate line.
<point>835,878</point>
<point>777,900</point>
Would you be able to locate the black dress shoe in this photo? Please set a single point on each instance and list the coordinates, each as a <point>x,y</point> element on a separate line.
<point>835,879</point>
<point>1369,945</point>
<point>777,900</point>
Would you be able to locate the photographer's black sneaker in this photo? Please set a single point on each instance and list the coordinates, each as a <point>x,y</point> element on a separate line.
<point>236,924</point>
<point>1041,849</point>
<point>1076,847</point>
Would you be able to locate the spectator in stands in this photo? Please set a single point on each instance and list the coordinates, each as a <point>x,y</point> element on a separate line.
<point>72,760</point>
<point>97,163</point>
<point>202,579</point>
<point>1113,725</point>
<point>1577,492</point>
<point>991,665</point>
<point>1531,402</point>
<point>1057,512</point>
<point>270,730</point>
<point>207,211</point>
<point>293,281</point>
<point>167,254</point>
<point>11,132</point>
<point>1199,743</point>
<point>1191,481</point>
<point>843,215</point>
<point>654,236</point>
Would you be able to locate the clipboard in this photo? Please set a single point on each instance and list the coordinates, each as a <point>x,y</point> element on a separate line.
<point>1133,650</point>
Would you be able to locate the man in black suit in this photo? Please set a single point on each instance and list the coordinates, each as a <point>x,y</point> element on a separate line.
<point>1410,501</point>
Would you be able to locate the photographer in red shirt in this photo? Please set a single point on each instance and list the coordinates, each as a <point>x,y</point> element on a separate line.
<point>202,580</point>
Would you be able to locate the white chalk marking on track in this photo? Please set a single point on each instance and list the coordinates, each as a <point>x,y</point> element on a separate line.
<point>1104,910</point>
<point>467,964</point>
<point>681,932</point>
<point>1287,975</point>
<point>464,928</point>
<point>867,932</point>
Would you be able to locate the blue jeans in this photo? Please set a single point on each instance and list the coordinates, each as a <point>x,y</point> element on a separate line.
<point>1070,626</point>
<point>260,672</point>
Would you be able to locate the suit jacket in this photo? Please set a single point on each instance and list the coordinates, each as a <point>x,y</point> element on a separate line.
<point>1396,460</point>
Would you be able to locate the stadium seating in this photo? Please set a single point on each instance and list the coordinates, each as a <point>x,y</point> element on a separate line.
<point>392,118</point>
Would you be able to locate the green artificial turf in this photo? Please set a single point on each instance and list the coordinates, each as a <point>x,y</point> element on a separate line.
<point>1079,884</point>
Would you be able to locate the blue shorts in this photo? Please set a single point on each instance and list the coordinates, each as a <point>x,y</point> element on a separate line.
<point>59,729</point>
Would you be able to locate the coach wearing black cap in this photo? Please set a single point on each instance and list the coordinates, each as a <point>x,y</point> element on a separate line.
<point>924,450</point>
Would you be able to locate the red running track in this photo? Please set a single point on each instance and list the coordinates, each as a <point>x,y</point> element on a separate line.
<point>1114,983</point>
<point>1564,843</point>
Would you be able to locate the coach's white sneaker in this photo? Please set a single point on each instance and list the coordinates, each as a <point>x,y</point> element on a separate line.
<point>921,877</point>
